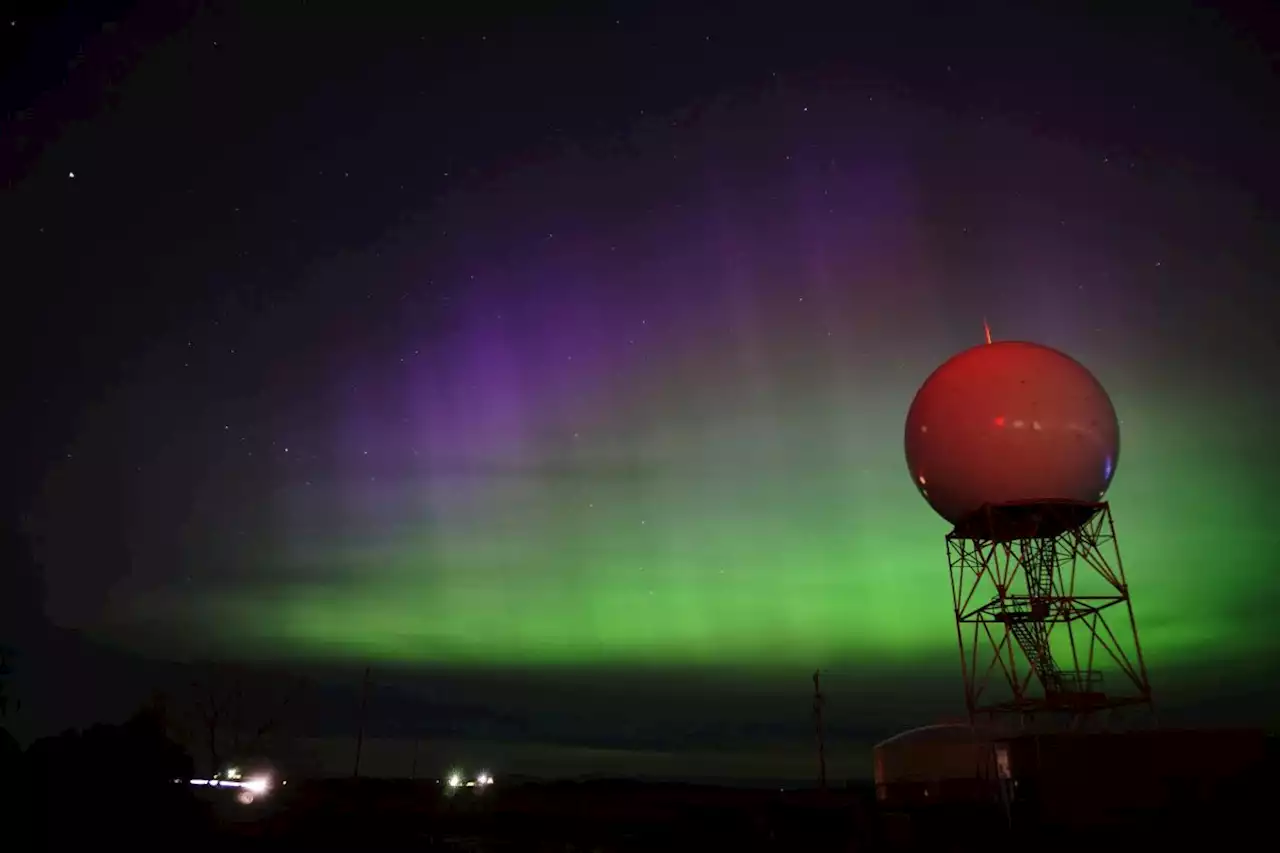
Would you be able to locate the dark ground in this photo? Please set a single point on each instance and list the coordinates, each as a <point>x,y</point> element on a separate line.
<point>370,816</point>
<point>609,817</point>
<point>637,816</point>
<point>585,816</point>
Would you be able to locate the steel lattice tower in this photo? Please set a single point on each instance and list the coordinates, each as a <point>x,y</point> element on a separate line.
<point>1043,616</point>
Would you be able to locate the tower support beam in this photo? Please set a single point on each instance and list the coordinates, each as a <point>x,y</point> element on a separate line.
<point>1043,616</point>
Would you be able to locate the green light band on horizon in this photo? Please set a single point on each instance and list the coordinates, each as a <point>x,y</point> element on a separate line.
<point>743,545</point>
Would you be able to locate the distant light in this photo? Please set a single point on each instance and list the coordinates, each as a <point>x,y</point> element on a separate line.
<point>999,421</point>
<point>71,174</point>
<point>258,784</point>
<point>255,786</point>
<point>455,779</point>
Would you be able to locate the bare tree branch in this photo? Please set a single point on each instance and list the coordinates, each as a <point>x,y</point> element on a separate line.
<point>236,712</point>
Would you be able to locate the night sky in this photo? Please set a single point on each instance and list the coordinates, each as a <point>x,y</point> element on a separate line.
<point>556,366</point>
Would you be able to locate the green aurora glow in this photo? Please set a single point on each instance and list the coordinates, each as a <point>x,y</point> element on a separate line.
<point>757,540</point>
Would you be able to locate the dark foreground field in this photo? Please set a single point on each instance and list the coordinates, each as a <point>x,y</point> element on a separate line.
<point>610,817</point>
<point>590,816</point>
<point>370,816</point>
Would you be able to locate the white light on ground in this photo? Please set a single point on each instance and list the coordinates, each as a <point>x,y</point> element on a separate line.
<point>457,780</point>
<point>256,785</point>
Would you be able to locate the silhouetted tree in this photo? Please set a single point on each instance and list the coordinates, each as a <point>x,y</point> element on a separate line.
<point>21,600</point>
<point>125,783</point>
<point>228,712</point>
<point>7,702</point>
<point>11,799</point>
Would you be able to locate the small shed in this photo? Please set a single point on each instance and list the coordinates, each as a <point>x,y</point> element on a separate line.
<point>937,764</point>
<point>1104,776</point>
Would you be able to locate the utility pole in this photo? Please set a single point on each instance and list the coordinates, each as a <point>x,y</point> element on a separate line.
<point>818,701</point>
<point>364,705</point>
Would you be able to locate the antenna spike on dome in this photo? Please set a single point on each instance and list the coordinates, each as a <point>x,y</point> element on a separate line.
<point>986,329</point>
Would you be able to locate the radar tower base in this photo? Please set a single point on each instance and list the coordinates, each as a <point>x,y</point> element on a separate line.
<point>1033,586</point>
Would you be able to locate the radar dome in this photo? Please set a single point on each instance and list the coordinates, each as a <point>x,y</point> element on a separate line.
<point>1010,422</point>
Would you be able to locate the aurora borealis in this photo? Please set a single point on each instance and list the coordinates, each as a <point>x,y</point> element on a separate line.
<point>677,440</point>
<point>445,359</point>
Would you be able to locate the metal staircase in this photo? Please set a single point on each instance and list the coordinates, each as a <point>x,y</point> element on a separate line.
<point>1029,645</point>
<point>1032,638</point>
<point>1027,619</point>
